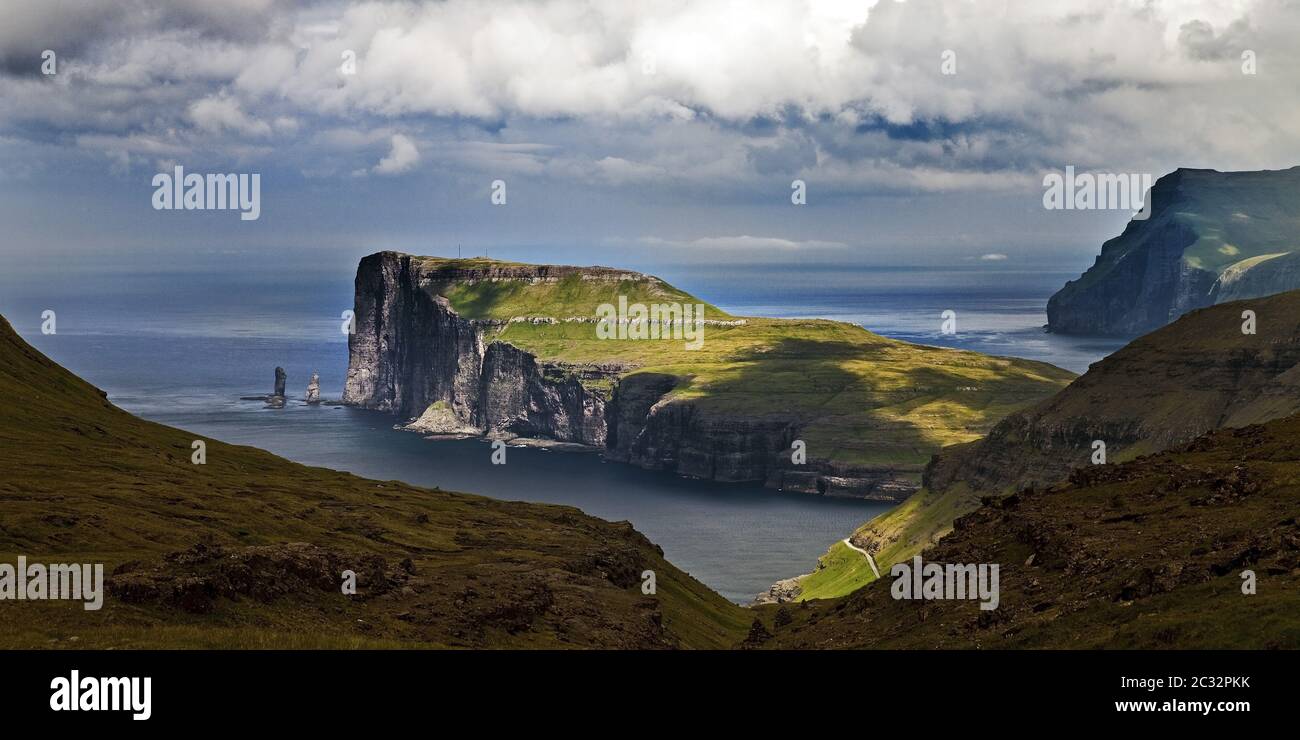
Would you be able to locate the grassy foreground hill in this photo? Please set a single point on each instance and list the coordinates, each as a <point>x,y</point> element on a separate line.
<point>1160,391</point>
<point>1146,554</point>
<point>247,550</point>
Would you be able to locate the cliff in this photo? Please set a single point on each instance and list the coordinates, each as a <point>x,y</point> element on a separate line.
<point>509,350</point>
<point>412,354</point>
<point>1211,237</point>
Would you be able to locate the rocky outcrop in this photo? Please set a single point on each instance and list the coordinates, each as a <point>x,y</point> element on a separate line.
<point>1202,245</point>
<point>195,579</point>
<point>313,389</point>
<point>519,396</point>
<point>412,354</point>
<point>781,592</point>
<point>276,399</point>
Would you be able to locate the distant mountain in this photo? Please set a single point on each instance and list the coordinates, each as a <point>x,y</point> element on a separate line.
<point>506,350</point>
<point>1211,237</point>
<point>248,550</point>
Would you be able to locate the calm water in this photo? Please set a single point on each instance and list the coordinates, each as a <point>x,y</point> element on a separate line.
<point>181,349</point>
<point>1000,310</point>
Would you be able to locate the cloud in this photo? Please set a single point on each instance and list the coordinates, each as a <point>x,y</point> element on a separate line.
<point>401,157</point>
<point>1201,42</point>
<point>704,108</point>
<point>993,257</point>
<point>220,113</point>
<point>838,91</point>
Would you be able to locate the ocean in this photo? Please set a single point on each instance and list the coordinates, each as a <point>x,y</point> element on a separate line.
<point>181,346</point>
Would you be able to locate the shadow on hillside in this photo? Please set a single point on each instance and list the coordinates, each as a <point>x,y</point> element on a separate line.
<point>479,300</point>
<point>808,380</point>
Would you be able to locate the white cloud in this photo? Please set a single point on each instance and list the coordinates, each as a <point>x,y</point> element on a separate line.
<point>401,157</point>
<point>221,113</point>
<point>734,96</point>
<point>993,257</point>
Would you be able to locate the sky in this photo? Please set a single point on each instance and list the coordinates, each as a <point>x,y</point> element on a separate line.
<point>626,133</point>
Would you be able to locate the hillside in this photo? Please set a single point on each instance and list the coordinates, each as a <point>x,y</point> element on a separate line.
<point>1146,554</point>
<point>247,550</point>
<point>1212,237</point>
<point>1163,390</point>
<point>509,350</point>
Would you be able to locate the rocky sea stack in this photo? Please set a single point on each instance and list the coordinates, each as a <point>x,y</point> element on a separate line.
<point>276,399</point>
<point>313,389</point>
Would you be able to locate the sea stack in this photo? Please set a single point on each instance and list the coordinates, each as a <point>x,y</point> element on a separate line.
<point>276,400</point>
<point>313,389</point>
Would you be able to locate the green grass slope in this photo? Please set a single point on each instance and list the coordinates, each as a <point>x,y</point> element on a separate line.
<point>898,534</point>
<point>1146,554</point>
<point>842,570</point>
<point>247,550</point>
<point>572,293</point>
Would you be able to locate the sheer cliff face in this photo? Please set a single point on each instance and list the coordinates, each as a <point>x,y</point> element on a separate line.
<point>1212,237</point>
<point>407,350</point>
<point>681,437</point>
<point>413,355</point>
<point>1165,389</point>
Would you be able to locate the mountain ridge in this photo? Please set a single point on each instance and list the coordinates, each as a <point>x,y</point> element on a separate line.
<point>1203,244</point>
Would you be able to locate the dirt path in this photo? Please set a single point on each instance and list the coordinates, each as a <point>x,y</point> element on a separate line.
<point>870,560</point>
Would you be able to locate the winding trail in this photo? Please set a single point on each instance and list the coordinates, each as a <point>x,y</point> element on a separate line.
<point>870,560</point>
